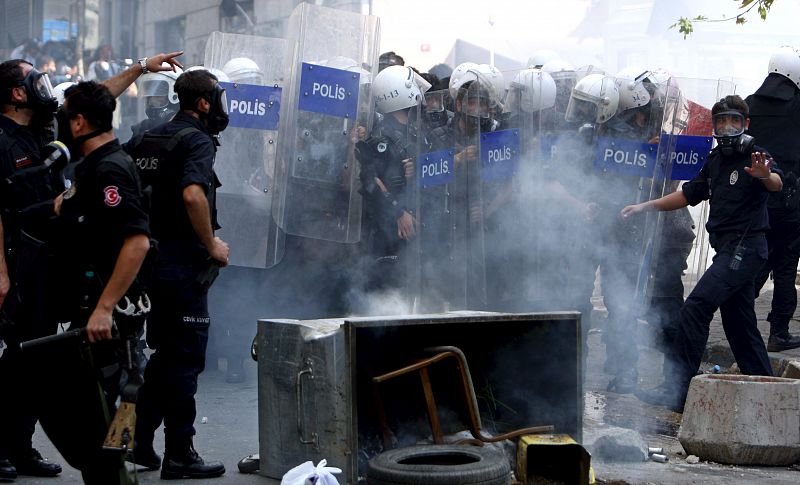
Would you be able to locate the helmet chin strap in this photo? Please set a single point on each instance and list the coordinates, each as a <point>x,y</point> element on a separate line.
<point>78,142</point>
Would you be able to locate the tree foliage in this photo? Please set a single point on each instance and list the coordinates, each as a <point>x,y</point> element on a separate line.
<point>685,25</point>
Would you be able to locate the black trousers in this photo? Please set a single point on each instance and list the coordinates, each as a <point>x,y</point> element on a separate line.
<point>177,329</point>
<point>784,253</point>
<point>733,293</point>
<point>26,307</point>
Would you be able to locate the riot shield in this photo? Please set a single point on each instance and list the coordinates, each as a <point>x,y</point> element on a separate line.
<point>245,162</point>
<point>432,283</point>
<point>525,231</point>
<point>471,159</point>
<point>326,111</point>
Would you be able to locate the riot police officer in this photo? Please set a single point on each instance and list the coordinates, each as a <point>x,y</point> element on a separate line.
<point>386,158</point>
<point>183,220</point>
<point>157,89</point>
<point>27,127</point>
<point>736,178</point>
<point>774,122</point>
<point>102,242</point>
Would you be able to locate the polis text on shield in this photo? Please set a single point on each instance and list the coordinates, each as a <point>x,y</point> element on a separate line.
<point>257,108</point>
<point>328,91</point>
<point>623,157</point>
<point>499,154</point>
<point>440,167</point>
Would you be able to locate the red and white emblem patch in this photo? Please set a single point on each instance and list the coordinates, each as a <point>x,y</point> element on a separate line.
<point>112,198</point>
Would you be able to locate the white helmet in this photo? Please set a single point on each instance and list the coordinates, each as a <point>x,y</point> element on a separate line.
<point>541,57</point>
<point>489,78</point>
<point>531,90</point>
<point>456,75</point>
<point>587,69</point>
<point>786,62</point>
<point>594,96</point>
<point>660,83</point>
<point>632,91</point>
<point>559,69</point>
<point>243,70</point>
<point>58,91</point>
<point>159,83</point>
<point>396,88</point>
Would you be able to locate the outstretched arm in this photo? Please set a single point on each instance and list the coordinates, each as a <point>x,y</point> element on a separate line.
<point>671,202</point>
<point>119,83</point>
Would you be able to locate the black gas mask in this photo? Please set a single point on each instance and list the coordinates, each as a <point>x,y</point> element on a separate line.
<point>729,133</point>
<point>158,108</point>
<point>40,93</point>
<point>41,99</point>
<point>216,119</point>
<point>434,114</point>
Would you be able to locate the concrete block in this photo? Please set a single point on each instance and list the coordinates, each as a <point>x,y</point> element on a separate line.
<point>742,420</point>
<point>792,370</point>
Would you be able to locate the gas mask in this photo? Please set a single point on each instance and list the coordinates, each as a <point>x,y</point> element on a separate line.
<point>216,119</point>
<point>39,91</point>
<point>729,133</point>
<point>41,99</point>
<point>158,108</point>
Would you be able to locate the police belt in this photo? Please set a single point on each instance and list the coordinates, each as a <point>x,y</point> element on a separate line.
<point>719,240</point>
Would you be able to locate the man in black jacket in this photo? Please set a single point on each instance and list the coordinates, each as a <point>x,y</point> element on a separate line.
<point>183,220</point>
<point>775,123</point>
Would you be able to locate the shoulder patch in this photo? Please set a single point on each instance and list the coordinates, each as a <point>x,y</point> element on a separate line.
<point>112,197</point>
<point>734,177</point>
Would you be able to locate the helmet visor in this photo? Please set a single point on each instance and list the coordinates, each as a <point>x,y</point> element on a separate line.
<point>223,100</point>
<point>581,110</point>
<point>41,86</point>
<point>728,123</point>
<point>156,102</point>
<point>154,87</point>
<point>434,102</point>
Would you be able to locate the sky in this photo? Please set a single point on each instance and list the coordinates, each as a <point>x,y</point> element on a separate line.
<point>423,32</point>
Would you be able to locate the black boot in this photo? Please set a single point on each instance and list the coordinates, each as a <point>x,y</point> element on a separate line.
<point>32,464</point>
<point>7,471</point>
<point>184,462</point>
<point>664,395</point>
<point>782,341</point>
<point>144,455</point>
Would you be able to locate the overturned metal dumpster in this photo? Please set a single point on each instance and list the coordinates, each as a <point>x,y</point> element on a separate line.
<point>317,397</point>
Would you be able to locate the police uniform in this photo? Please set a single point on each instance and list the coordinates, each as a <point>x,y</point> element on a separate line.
<point>179,321</point>
<point>736,225</point>
<point>775,124</point>
<point>101,209</point>
<point>380,157</point>
<point>27,303</point>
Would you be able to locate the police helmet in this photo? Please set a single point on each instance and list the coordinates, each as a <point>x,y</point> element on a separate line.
<point>632,91</point>
<point>531,90</point>
<point>786,62</point>
<point>595,98</point>
<point>541,57</point>
<point>243,70</point>
<point>396,88</point>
